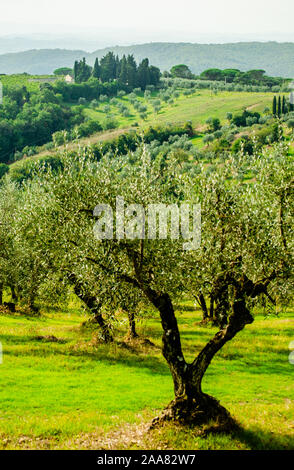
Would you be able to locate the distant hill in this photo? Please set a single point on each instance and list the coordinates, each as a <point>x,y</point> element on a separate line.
<point>26,42</point>
<point>38,61</point>
<point>277,59</point>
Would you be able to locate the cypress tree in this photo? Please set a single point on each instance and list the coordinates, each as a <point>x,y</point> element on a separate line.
<point>291,101</point>
<point>279,107</point>
<point>123,77</point>
<point>117,67</point>
<point>76,71</point>
<point>144,74</point>
<point>275,106</point>
<point>108,67</point>
<point>284,106</point>
<point>96,69</point>
<point>132,71</point>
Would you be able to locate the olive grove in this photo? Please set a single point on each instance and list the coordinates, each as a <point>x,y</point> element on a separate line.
<point>246,250</point>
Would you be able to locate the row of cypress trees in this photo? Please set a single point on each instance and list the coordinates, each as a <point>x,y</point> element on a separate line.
<point>125,70</point>
<point>281,106</point>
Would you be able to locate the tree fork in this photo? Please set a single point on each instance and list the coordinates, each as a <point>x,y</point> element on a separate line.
<point>191,405</point>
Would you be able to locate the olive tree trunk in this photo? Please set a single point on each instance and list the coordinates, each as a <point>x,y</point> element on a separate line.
<point>191,404</point>
<point>202,302</point>
<point>94,306</point>
<point>132,333</point>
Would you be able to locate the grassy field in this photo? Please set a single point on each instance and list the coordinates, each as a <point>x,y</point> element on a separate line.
<point>76,393</point>
<point>31,82</point>
<point>196,108</point>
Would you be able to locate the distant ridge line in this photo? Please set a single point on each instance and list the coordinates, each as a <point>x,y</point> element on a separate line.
<point>276,58</point>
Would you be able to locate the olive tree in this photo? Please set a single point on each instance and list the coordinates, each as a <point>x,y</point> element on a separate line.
<point>246,248</point>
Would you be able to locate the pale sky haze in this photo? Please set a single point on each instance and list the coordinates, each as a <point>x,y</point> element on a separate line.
<point>153,19</point>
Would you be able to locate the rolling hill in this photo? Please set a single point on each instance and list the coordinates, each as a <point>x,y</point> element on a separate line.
<point>277,59</point>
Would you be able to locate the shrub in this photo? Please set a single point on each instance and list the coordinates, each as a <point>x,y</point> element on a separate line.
<point>218,134</point>
<point>290,123</point>
<point>88,128</point>
<point>3,169</point>
<point>26,168</point>
<point>121,93</point>
<point>243,143</point>
<point>126,113</point>
<point>208,138</point>
<point>94,104</point>
<point>250,121</point>
<point>110,123</point>
<point>103,98</point>
<point>60,138</point>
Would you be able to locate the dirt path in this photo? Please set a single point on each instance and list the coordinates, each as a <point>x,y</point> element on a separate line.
<point>129,435</point>
<point>252,106</point>
<point>93,139</point>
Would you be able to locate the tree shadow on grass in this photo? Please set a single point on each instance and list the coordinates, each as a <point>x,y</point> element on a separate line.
<point>23,316</point>
<point>102,353</point>
<point>16,340</point>
<point>186,308</point>
<point>264,440</point>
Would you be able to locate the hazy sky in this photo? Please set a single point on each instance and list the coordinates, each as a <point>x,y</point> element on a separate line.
<point>150,19</point>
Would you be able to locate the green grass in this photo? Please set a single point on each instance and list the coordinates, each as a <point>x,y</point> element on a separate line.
<point>76,393</point>
<point>29,81</point>
<point>196,108</point>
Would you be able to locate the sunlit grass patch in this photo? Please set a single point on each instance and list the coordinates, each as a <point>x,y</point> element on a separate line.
<point>52,392</point>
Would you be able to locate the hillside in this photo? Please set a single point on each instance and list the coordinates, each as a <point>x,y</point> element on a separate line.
<point>38,61</point>
<point>275,58</point>
<point>196,108</point>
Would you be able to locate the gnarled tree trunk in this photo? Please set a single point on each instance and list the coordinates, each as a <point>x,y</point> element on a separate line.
<point>191,405</point>
<point>13,294</point>
<point>98,318</point>
<point>132,333</point>
<point>211,307</point>
<point>94,306</point>
<point>202,302</point>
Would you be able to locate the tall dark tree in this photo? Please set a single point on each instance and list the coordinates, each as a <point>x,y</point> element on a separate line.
<point>76,70</point>
<point>96,70</point>
<point>274,105</point>
<point>132,71</point>
<point>123,76</point>
<point>117,67</point>
<point>108,67</point>
<point>144,74</point>
<point>279,111</point>
<point>82,71</point>
<point>284,105</point>
<point>154,75</point>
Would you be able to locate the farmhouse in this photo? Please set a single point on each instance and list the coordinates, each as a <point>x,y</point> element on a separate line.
<point>69,79</point>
